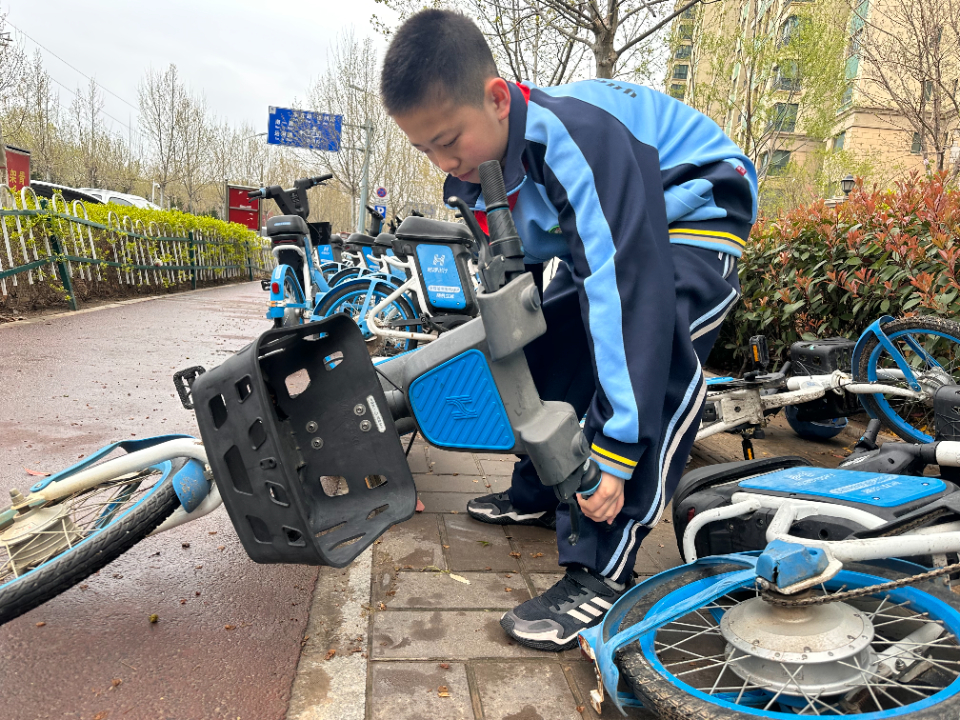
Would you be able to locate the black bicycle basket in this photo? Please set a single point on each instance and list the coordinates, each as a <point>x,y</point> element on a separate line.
<point>302,445</point>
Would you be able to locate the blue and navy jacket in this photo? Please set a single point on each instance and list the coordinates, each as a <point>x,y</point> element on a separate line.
<point>605,176</point>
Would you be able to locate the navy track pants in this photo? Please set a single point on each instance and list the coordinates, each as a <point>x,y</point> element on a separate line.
<point>707,289</point>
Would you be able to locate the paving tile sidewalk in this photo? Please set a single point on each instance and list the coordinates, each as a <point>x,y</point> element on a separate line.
<point>424,644</point>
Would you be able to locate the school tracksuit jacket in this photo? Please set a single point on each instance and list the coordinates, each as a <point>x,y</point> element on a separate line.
<point>648,204</point>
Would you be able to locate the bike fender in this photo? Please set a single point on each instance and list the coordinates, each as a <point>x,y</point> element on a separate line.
<point>191,485</point>
<point>369,281</point>
<point>276,304</point>
<point>127,446</point>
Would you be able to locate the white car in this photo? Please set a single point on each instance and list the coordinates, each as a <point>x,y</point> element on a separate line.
<point>118,198</point>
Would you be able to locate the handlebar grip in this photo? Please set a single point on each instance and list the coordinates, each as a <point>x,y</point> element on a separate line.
<point>321,178</point>
<point>491,181</point>
<point>255,194</point>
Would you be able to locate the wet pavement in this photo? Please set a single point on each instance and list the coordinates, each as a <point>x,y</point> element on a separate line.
<point>227,639</point>
<point>409,630</point>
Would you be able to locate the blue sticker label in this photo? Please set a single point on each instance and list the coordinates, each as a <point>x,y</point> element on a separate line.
<point>441,277</point>
<point>877,489</point>
<point>325,253</point>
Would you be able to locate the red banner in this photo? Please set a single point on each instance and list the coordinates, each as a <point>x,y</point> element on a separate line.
<point>18,168</point>
<point>241,209</point>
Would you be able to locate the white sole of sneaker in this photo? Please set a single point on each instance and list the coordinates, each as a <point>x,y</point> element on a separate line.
<point>507,516</point>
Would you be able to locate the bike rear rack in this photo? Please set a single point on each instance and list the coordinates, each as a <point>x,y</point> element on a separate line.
<point>302,445</point>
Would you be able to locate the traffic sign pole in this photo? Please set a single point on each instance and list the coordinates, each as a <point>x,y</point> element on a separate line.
<point>365,181</point>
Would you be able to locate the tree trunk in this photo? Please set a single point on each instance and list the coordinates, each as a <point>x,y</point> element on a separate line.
<point>603,52</point>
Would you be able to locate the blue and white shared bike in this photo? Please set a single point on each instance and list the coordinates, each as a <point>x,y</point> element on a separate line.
<point>805,591</point>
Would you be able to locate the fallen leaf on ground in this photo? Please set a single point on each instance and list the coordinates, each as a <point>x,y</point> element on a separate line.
<point>515,555</point>
<point>508,589</point>
<point>420,506</point>
<point>580,708</point>
<point>229,627</point>
<point>445,666</point>
<point>381,606</point>
<point>484,542</point>
<point>115,682</point>
<point>153,618</point>
<point>459,578</point>
<point>536,555</point>
<point>100,716</point>
<point>330,653</point>
<point>442,691</point>
<point>41,624</point>
<point>38,473</point>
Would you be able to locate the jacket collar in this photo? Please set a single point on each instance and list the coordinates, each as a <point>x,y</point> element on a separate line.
<point>514,171</point>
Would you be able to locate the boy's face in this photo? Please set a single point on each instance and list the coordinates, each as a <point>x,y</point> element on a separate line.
<point>458,138</point>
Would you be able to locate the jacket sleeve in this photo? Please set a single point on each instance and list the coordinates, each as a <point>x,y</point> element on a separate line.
<point>608,193</point>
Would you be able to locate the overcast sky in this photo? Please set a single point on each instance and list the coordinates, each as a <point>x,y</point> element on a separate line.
<point>244,55</point>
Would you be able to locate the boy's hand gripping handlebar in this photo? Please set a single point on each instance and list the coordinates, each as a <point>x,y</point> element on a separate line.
<point>500,261</point>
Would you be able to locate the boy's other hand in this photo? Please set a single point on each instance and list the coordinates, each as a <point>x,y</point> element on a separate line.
<point>605,504</point>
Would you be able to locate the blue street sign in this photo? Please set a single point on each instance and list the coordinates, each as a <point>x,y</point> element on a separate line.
<point>382,209</point>
<point>304,129</point>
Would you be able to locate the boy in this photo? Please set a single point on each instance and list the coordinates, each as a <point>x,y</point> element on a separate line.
<point>648,204</point>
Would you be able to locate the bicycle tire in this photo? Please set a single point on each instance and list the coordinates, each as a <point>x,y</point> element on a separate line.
<point>350,273</point>
<point>666,700</point>
<point>333,301</point>
<point>908,428</point>
<point>96,551</point>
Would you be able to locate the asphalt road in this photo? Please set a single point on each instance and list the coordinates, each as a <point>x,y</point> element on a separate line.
<point>229,632</point>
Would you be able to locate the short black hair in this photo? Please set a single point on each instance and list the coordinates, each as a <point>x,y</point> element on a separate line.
<point>437,52</point>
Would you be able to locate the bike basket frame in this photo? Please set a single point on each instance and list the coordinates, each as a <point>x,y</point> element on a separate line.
<point>302,445</point>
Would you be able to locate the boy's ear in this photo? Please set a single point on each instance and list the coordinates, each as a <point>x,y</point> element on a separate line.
<point>497,93</point>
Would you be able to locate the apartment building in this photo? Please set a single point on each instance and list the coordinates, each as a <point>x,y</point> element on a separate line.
<point>716,75</point>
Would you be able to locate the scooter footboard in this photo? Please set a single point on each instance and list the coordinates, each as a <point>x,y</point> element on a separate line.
<point>303,446</point>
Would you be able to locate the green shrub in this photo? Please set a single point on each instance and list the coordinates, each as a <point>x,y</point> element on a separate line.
<point>817,271</point>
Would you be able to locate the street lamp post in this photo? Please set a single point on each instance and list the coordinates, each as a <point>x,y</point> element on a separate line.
<point>847,185</point>
<point>365,175</point>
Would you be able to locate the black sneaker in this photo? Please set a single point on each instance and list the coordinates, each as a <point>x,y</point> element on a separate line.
<point>552,620</point>
<point>498,510</point>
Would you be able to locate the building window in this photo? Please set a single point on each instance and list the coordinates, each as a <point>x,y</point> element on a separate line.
<point>778,165</point>
<point>916,146</point>
<point>847,99</point>
<point>686,31</point>
<point>787,77</point>
<point>789,30</point>
<point>839,140</point>
<point>677,90</point>
<point>683,52</point>
<point>689,13</point>
<point>784,117</point>
<point>927,90</point>
<point>680,72</point>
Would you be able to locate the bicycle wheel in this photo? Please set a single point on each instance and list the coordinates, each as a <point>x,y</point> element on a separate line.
<point>350,300</point>
<point>49,549</point>
<point>931,348</point>
<point>350,273</point>
<point>291,316</point>
<point>738,657</point>
<point>813,430</point>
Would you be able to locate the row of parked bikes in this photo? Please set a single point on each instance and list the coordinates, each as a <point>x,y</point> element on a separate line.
<point>805,590</point>
<point>401,288</point>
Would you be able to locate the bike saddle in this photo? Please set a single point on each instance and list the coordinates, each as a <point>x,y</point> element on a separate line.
<point>287,228</point>
<point>425,230</point>
<point>361,240</point>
